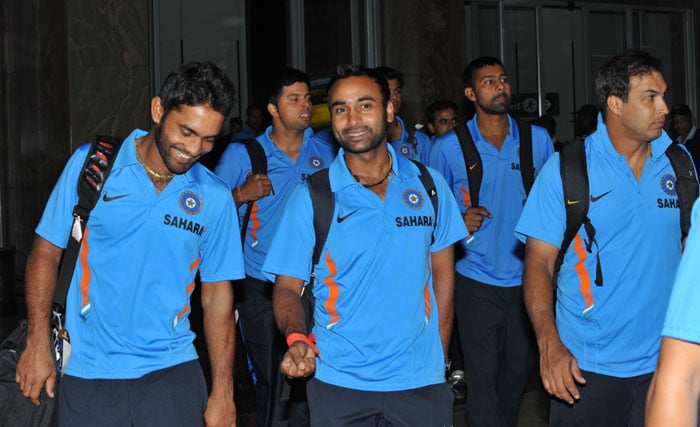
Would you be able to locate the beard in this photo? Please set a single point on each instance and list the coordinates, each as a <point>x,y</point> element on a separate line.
<point>496,107</point>
<point>163,144</point>
<point>376,138</point>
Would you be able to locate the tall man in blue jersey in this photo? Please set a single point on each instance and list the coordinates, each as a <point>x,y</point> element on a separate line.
<point>292,154</point>
<point>162,218</point>
<point>493,327</point>
<point>384,285</point>
<point>598,356</point>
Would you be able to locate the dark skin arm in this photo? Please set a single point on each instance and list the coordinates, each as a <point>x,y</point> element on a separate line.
<point>255,187</point>
<point>300,359</point>
<point>37,364</point>
<point>219,331</point>
<point>474,217</point>
<point>558,367</point>
<point>443,285</point>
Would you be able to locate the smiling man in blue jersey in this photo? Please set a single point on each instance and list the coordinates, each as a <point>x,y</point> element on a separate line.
<point>292,154</point>
<point>384,286</point>
<point>494,331</point>
<point>162,218</point>
<point>597,357</point>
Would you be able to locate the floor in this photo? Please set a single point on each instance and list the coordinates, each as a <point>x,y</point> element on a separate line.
<point>533,411</point>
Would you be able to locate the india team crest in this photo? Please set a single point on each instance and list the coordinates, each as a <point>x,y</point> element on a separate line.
<point>316,162</point>
<point>668,184</point>
<point>405,150</point>
<point>413,198</point>
<point>190,202</point>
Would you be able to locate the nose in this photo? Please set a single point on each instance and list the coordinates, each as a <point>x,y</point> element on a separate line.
<point>198,146</point>
<point>353,116</point>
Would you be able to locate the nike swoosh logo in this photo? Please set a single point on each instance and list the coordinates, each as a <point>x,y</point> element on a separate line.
<point>596,198</point>
<point>346,216</point>
<point>111,199</point>
<point>572,202</point>
<point>473,166</point>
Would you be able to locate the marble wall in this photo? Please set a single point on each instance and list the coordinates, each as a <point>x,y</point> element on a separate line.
<point>425,40</point>
<point>70,69</point>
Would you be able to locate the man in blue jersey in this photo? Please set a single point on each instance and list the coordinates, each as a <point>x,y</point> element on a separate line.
<point>253,123</point>
<point>162,218</point>
<point>493,327</point>
<point>403,136</point>
<point>384,284</point>
<point>292,154</point>
<point>675,388</point>
<point>598,356</point>
<point>442,117</point>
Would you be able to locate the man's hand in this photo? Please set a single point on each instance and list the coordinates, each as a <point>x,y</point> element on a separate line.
<point>221,411</point>
<point>36,369</point>
<point>255,187</point>
<point>560,373</point>
<point>299,361</point>
<point>474,217</point>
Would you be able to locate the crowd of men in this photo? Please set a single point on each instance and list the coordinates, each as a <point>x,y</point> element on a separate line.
<point>357,251</point>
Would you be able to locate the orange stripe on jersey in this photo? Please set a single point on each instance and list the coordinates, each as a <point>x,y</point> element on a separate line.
<point>254,221</point>
<point>426,296</point>
<point>583,275</point>
<point>466,197</point>
<point>186,309</point>
<point>183,312</point>
<point>333,290</point>
<point>426,289</point>
<point>85,281</point>
<point>194,264</point>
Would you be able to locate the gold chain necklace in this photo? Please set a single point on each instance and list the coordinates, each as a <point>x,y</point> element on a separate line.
<point>149,169</point>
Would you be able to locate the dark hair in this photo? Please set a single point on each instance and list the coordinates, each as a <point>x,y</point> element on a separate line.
<point>477,64</point>
<point>391,74</point>
<point>197,83</point>
<point>614,77</point>
<point>252,107</point>
<point>345,71</point>
<point>432,109</point>
<point>681,110</point>
<point>286,77</point>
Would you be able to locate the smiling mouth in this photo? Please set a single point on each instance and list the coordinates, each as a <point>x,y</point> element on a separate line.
<point>356,134</point>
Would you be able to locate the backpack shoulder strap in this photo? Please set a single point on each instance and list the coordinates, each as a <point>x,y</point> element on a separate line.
<point>93,174</point>
<point>686,183</point>
<point>258,165</point>
<point>527,168</point>
<point>323,201</point>
<point>472,162</point>
<point>574,178</point>
<point>258,158</point>
<point>427,180</point>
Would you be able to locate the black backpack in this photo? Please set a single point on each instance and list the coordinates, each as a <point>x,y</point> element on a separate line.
<point>475,169</point>
<point>574,177</point>
<point>258,163</point>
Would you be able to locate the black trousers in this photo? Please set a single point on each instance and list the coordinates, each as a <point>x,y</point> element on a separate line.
<point>331,405</point>
<point>265,347</point>
<point>605,401</point>
<point>175,396</point>
<point>499,350</point>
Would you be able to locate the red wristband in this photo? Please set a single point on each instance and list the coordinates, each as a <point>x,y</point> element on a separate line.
<point>310,340</point>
